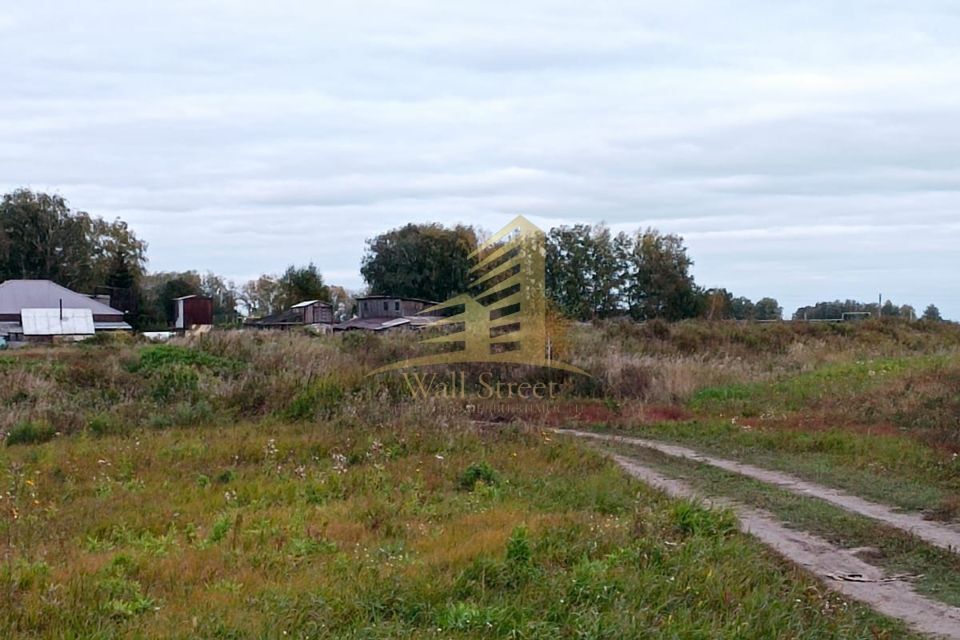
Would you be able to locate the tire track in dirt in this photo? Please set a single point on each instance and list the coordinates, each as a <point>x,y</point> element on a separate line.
<point>892,597</point>
<point>938,535</point>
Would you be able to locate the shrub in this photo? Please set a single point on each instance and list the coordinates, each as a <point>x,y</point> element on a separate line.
<point>519,553</point>
<point>106,425</point>
<point>174,380</point>
<point>321,399</point>
<point>478,472</point>
<point>163,355</point>
<point>30,433</point>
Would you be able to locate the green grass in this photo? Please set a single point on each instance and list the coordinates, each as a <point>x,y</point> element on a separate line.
<point>407,530</point>
<point>896,551</point>
<point>800,391</point>
<point>895,470</point>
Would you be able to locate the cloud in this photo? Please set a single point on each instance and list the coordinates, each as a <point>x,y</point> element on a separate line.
<point>806,152</point>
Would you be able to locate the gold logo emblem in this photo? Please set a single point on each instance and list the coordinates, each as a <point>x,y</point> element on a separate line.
<point>505,321</point>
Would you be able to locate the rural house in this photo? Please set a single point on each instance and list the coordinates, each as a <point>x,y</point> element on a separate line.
<point>310,313</point>
<point>43,311</point>
<point>380,313</point>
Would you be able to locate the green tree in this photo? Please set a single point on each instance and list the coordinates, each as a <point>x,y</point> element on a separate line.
<point>660,284</point>
<point>743,308</point>
<point>889,310</point>
<point>299,284</point>
<point>420,261</point>
<point>586,270</point>
<point>932,313</point>
<point>834,310</point>
<point>42,238</point>
<point>768,309</point>
<point>159,291</point>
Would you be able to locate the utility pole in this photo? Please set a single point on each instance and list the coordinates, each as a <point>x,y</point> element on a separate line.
<point>880,306</point>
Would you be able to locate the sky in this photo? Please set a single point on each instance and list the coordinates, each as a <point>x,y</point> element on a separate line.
<point>808,151</point>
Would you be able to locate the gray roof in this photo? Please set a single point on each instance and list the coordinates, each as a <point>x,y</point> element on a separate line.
<point>16,295</point>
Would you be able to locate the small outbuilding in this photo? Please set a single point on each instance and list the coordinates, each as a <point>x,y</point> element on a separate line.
<point>382,313</point>
<point>309,313</point>
<point>193,311</point>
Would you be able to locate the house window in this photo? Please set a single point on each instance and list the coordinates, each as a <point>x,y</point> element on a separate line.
<point>386,305</point>
<point>396,306</point>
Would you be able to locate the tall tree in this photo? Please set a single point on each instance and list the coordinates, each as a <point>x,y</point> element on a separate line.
<point>932,313</point>
<point>420,261</point>
<point>41,237</point>
<point>717,304</point>
<point>660,282</point>
<point>743,308</point>
<point>261,297</point>
<point>298,284</point>
<point>768,309</point>
<point>586,270</point>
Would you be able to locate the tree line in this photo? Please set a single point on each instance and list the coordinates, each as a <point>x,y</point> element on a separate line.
<point>41,237</point>
<point>591,272</point>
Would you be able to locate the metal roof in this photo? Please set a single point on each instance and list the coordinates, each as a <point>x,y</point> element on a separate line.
<point>112,326</point>
<point>385,297</point>
<point>192,295</point>
<point>308,303</point>
<point>376,324</point>
<point>16,295</point>
<point>57,322</point>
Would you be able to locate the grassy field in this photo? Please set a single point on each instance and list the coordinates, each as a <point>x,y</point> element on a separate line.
<point>412,529</point>
<point>258,485</point>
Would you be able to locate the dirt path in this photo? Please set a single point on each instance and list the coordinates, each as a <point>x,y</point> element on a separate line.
<point>840,569</point>
<point>938,535</point>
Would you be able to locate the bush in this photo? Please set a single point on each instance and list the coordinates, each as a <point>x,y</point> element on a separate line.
<point>519,553</point>
<point>174,380</point>
<point>30,433</point>
<point>478,472</point>
<point>106,425</point>
<point>321,399</point>
<point>162,356</point>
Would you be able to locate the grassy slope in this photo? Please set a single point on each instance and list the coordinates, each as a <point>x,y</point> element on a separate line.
<point>880,428</point>
<point>340,531</point>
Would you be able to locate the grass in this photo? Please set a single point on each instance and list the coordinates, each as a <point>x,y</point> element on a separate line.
<point>262,485</point>
<point>410,529</point>
<point>891,469</point>
<point>937,571</point>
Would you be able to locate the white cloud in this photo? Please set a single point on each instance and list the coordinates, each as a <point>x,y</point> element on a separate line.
<point>806,151</point>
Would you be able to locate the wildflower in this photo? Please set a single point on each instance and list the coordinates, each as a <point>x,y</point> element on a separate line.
<point>271,448</point>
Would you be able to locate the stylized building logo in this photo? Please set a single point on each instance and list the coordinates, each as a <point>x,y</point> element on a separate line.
<point>505,319</point>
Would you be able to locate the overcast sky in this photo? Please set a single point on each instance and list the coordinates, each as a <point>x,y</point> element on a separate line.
<point>806,151</point>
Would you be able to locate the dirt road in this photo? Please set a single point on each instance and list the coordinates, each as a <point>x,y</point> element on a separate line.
<point>936,534</point>
<point>840,569</point>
